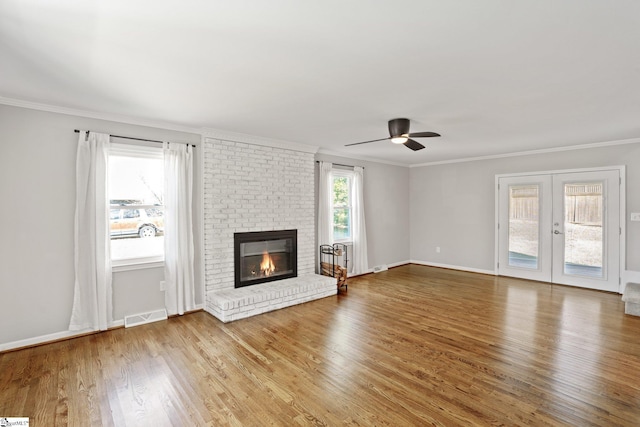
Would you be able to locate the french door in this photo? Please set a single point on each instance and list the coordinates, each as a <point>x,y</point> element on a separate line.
<point>561,228</point>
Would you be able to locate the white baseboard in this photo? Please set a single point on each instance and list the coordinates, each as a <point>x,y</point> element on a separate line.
<point>116,324</point>
<point>398,264</point>
<point>370,270</point>
<point>57,336</point>
<point>454,267</point>
<point>433,264</point>
<point>42,339</point>
<point>380,268</point>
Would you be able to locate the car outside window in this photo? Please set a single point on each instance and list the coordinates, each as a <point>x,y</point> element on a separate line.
<point>136,193</point>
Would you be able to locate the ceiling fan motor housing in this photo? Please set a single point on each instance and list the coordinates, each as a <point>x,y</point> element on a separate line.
<point>398,127</point>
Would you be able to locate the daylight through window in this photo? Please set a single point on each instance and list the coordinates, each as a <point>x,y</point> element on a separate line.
<point>341,207</point>
<point>136,195</point>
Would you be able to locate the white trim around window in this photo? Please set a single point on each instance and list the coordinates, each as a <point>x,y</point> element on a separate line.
<point>349,175</point>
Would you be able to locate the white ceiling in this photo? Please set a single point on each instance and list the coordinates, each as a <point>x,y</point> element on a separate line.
<point>492,77</point>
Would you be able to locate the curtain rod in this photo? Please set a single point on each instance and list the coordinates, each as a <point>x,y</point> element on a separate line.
<point>338,164</point>
<point>131,137</point>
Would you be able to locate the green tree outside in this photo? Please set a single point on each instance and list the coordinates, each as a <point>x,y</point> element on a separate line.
<point>341,208</point>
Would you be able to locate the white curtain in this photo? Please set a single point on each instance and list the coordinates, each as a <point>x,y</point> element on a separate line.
<point>178,239</point>
<point>360,262</point>
<point>92,300</point>
<point>325,194</point>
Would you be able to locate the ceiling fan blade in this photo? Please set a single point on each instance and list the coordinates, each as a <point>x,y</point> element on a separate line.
<point>414,145</point>
<point>423,134</point>
<point>366,142</point>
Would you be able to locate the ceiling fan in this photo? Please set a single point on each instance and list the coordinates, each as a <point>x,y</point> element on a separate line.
<point>399,134</point>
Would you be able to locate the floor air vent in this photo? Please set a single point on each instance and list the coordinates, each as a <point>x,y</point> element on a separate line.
<point>379,268</point>
<point>142,318</point>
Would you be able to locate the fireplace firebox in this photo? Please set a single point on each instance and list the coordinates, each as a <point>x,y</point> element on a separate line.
<point>265,256</point>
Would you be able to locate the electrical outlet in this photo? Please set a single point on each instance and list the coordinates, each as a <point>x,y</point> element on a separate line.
<point>437,249</point>
<point>162,285</point>
<point>635,216</point>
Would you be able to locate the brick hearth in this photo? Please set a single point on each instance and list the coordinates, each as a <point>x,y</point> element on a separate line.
<point>255,188</point>
<point>234,304</point>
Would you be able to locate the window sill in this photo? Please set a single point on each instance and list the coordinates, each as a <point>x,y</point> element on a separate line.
<point>344,242</point>
<point>135,264</point>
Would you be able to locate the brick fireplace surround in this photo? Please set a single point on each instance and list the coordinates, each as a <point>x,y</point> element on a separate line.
<point>251,187</point>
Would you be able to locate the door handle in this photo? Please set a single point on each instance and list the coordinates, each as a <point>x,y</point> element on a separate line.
<point>556,232</point>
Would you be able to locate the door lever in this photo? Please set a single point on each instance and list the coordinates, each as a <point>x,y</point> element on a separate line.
<point>556,232</point>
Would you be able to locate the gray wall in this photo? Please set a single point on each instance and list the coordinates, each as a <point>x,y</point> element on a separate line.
<point>386,200</point>
<point>452,205</point>
<point>409,211</point>
<point>37,193</point>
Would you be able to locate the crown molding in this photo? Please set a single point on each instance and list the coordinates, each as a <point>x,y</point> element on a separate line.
<point>270,142</point>
<point>99,115</point>
<point>364,158</point>
<point>209,133</point>
<point>531,152</point>
<point>203,132</point>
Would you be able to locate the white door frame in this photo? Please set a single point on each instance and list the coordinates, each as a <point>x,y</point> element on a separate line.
<point>622,264</point>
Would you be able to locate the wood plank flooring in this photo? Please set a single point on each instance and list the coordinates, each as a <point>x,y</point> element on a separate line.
<point>411,346</point>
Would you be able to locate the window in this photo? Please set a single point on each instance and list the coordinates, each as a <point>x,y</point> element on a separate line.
<point>136,194</point>
<point>341,187</point>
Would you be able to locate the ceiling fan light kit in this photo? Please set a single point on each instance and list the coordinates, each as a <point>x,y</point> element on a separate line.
<point>399,139</point>
<point>399,134</point>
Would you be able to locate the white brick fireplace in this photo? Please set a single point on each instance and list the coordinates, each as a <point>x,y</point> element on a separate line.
<point>252,187</point>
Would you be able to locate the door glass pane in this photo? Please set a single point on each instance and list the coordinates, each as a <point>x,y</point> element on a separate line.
<point>583,215</point>
<point>524,225</point>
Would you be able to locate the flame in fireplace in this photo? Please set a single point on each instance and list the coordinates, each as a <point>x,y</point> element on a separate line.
<point>267,266</point>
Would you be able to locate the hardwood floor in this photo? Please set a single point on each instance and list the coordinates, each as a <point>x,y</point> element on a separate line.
<point>411,346</point>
